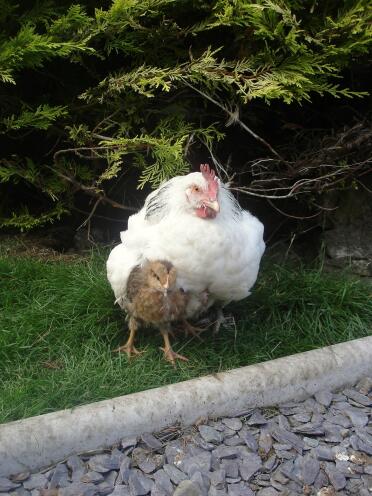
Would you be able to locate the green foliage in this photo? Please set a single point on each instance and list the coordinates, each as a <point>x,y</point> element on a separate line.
<point>30,50</point>
<point>41,117</point>
<point>23,220</point>
<point>92,89</point>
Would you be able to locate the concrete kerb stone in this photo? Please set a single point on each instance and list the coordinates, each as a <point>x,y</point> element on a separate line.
<point>40,441</point>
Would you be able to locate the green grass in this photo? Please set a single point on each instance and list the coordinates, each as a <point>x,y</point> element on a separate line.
<point>64,312</point>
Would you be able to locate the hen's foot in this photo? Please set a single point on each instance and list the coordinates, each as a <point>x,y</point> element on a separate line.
<point>129,349</point>
<point>171,356</point>
<point>193,330</point>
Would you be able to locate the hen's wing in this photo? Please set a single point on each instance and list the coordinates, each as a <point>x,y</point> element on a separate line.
<point>238,262</point>
<point>119,265</point>
<point>135,240</point>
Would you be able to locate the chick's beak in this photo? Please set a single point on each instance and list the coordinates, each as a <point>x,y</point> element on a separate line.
<point>213,204</point>
<point>166,284</point>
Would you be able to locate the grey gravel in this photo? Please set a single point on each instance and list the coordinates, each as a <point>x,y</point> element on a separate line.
<point>201,462</point>
<point>249,466</point>
<point>257,419</point>
<point>21,492</point>
<point>364,386</point>
<point>270,463</point>
<point>310,469</point>
<point>59,477</point>
<point>175,475</point>
<point>36,481</point>
<point>249,440</point>
<point>318,447</point>
<point>287,437</point>
<point>239,489</point>
<point>233,423</point>
<point>267,491</point>
<point>324,398</point>
<point>151,441</point>
<point>310,442</point>
<point>93,477</point>
<point>354,395</point>
<point>336,478</point>
<point>20,477</point>
<point>324,453</point>
<point>231,468</point>
<point>357,418</point>
<point>121,491</point>
<point>162,480</point>
<point>105,488</point>
<point>139,484</point>
<point>129,442</point>
<point>265,441</point>
<point>75,464</point>
<point>209,434</point>
<point>7,485</point>
<point>103,463</point>
<point>234,441</point>
<point>187,488</point>
<point>366,447</point>
<point>78,489</point>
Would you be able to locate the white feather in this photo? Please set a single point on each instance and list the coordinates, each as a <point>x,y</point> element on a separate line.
<point>220,255</point>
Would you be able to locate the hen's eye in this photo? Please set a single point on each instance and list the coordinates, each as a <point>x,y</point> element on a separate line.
<point>196,189</point>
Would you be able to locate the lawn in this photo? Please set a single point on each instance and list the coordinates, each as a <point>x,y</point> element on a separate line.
<point>58,326</point>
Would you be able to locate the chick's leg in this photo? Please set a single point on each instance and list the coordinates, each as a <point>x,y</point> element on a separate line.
<point>169,354</point>
<point>129,347</point>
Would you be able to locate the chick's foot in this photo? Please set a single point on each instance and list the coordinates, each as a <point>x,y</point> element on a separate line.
<point>171,356</point>
<point>129,349</point>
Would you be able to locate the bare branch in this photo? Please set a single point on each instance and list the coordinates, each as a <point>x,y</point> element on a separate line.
<point>90,190</point>
<point>233,117</point>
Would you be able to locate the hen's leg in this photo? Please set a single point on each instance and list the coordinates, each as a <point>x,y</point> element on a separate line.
<point>219,321</point>
<point>129,347</point>
<point>169,354</point>
<point>228,322</point>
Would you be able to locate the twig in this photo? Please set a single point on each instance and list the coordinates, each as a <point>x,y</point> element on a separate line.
<point>90,190</point>
<point>97,126</point>
<point>97,202</point>
<point>99,216</point>
<point>293,216</point>
<point>218,165</point>
<point>234,118</point>
<point>104,138</point>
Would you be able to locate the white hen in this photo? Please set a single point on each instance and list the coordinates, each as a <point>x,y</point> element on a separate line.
<point>194,222</point>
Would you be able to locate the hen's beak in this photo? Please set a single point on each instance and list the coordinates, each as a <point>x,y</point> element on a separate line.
<point>213,204</point>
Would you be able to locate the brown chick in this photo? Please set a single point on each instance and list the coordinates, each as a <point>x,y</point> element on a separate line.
<point>153,299</point>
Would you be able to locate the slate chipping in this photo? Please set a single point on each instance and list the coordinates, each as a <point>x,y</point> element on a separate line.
<point>321,446</point>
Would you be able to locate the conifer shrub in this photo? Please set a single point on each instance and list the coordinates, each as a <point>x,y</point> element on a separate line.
<point>93,90</point>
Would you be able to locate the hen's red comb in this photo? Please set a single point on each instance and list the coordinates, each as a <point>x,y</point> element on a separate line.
<point>211,178</point>
<point>208,173</point>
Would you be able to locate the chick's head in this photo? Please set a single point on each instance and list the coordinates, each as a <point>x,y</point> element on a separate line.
<point>162,275</point>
